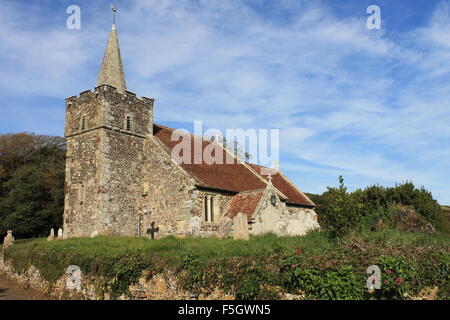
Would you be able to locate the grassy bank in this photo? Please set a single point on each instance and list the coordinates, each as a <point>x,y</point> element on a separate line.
<point>260,268</point>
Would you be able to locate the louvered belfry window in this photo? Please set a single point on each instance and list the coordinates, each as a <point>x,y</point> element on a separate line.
<point>83,123</point>
<point>128,123</point>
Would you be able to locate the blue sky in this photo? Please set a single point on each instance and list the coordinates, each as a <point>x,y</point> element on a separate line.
<point>372,105</point>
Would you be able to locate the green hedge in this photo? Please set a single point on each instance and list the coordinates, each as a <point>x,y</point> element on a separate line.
<point>263,268</point>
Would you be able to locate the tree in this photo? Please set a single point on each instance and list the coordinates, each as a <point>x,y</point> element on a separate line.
<point>31,184</point>
<point>343,213</point>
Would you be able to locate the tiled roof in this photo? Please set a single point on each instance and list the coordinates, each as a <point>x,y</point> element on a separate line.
<point>279,181</point>
<point>244,202</point>
<point>234,177</point>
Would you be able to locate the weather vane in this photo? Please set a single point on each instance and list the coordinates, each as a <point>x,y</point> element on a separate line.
<point>114,9</point>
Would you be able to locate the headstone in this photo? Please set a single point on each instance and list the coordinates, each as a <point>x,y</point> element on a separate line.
<point>240,226</point>
<point>94,233</point>
<point>73,277</point>
<point>60,233</point>
<point>52,235</point>
<point>378,226</point>
<point>224,228</point>
<point>8,240</point>
<point>194,225</point>
<point>429,229</point>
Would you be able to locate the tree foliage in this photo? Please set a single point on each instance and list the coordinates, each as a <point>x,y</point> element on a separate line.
<point>31,184</point>
<point>341,212</point>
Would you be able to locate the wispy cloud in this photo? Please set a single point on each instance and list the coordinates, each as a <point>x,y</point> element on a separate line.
<point>371,104</point>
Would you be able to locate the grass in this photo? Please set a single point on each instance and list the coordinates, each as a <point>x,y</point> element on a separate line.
<point>114,257</point>
<point>399,238</point>
<point>172,248</point>
<point>97,256</point>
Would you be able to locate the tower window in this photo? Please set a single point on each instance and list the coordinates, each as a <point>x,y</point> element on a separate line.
<point>128,123</point>
<point>82,194</point>
<point>83,123</point>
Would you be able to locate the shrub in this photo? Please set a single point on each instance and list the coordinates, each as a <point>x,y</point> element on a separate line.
<point>376,197</point>
<point>193,268</point>
<point>434,270</point>
<point>344,213</point>
<point>397,276</point>
<point>340,212</point>
<point>339,283</point>
<point>373,198</point>
<point>126,270</point>
<point>248,289</point>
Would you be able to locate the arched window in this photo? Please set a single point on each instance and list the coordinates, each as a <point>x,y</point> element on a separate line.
<point>209,208</point>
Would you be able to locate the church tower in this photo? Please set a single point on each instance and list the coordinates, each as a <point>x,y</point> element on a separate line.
<point>105,130</point>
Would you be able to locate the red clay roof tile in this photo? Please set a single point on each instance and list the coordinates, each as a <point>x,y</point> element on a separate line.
<point>245,202</point>
<point>234,177</point>
<point>231,177</point>
<point>294,195</point>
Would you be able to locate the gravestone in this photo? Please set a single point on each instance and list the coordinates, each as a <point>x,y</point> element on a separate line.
<point>194,225</point>
<point>60,233</point>
<point>240,227</point>
<point>52,235</point>
<point>8,240</point>
<point>378,226</point>
<point>224,228</point>
<point>429,229</point>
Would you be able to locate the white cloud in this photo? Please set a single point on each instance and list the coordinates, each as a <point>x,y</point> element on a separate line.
<point>347,99</point>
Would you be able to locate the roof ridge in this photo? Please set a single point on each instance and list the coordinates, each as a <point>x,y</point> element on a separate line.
<point>250,191</point>
<point>187,133</point>
<point>294,186</point>
<point>261,177</point>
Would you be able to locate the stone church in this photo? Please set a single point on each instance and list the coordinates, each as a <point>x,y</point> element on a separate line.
<point>121,178</point>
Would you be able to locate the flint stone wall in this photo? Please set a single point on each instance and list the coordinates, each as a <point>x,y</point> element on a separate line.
<point>82,178</point>
<point>104,162</point>
<point>162,286</point>
<point>283,219</point>
<point>167,195</point>
<point>124,182</point>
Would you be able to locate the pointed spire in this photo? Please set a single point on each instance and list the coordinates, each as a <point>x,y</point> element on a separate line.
<point>111,71</point>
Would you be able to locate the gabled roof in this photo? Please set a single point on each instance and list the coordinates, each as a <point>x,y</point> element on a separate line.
<point>281,182</point>
<point>233,177</point>
<point>245,202</point>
